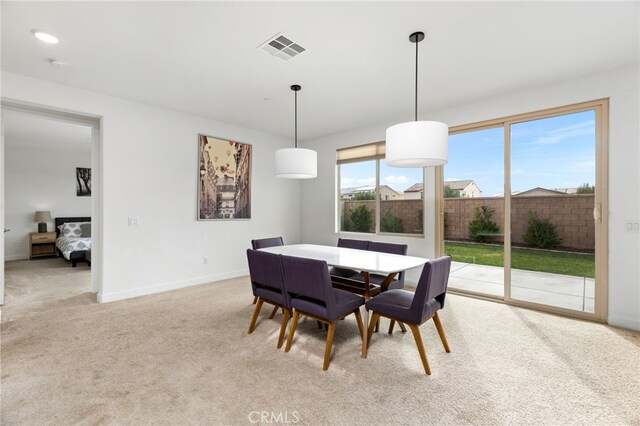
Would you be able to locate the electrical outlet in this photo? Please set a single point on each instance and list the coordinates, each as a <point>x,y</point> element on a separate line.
<point>133,221</point>
<point>632,226</point>
<point>205,260</point>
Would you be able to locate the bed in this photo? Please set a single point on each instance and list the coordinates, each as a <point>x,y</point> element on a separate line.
<point>74,246</point>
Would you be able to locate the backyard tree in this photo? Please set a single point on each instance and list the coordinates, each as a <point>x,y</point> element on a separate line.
<point>450,192</point>
<point>362,196</point>
<point>586,189</point>
<point>482,229</point>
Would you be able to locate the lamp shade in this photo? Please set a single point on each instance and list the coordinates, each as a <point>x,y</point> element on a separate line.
<point>42,216</point>
<point>296,163</point>
<point>417,144</point>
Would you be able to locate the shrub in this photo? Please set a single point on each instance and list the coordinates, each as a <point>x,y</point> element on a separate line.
<point>360,218</point>
<point>586,189</point>
<point>391,223</point>
<point>482,228</point>
<point>541,233</point>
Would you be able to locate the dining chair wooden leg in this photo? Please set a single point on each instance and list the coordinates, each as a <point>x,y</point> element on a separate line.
<point>393,322</point>
<point>372,324</point>
<point>283,327</point>
<point>319,324</point>
<point>436,321</point>
<point>327,349</point>
<point>326,327</point>
<point>256,312</point>
<point>402,327</point>
<point>255,300</point>
<point>292,330</point>
<point>359,321</point>
<point>378,325</point>
<point>273,313</point>
<point>420,345</point>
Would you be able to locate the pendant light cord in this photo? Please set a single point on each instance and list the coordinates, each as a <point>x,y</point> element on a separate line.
<point>296,118</point>
<point>416,101</point>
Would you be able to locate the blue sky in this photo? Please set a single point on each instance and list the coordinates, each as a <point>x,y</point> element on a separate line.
<point>556,152</point>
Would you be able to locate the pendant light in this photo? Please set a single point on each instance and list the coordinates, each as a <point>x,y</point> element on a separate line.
<point>296,163</point>
<point>417,143</point>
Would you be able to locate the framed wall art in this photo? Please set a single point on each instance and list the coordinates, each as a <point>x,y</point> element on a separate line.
<point>224,179</point>
<point>83,182</point>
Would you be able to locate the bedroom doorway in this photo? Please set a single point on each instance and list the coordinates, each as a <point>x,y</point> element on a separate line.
<point>50,173</point>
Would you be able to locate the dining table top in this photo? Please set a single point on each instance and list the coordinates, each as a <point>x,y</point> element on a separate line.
<point>362,260</point>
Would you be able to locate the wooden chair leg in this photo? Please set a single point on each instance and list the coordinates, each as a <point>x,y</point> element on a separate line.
<point>292,330</point>
<point>273,313</point>
<point>402,327</point>
<point>283,327</point>
<point>420,345</point>
<point>372,324</point>
<point>436,321</point>
<point>327,350</point>
<point>319,324</point>
<point>256,311</point>
<point>255,300</point>
<point>359,321</point>
<point>393,322</point>
<point>378,325</point>
<point>326,327</point>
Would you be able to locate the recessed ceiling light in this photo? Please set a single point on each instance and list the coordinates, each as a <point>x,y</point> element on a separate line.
<point>62,65</point>
<point>46,37</point>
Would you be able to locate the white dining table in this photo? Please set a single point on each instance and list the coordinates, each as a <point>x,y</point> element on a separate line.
<point>362,260</point>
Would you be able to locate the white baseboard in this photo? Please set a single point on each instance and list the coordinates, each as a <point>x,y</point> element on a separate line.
<point>158,288</point>
<point>16,257</point>
<point>624,322</point>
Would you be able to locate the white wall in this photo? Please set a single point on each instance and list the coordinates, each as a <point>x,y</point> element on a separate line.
<point>150,171</point>
<point>38,179</point>
<point>621,86</point>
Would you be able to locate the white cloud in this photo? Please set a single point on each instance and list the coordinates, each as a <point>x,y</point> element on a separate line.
<point>396,179</point>
<point>586,128</point>
<point>367,181</point>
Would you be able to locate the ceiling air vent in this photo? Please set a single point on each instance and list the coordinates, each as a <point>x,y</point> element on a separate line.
<point>281,47</point>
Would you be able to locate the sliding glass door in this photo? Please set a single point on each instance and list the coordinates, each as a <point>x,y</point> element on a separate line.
<point>524,209</point>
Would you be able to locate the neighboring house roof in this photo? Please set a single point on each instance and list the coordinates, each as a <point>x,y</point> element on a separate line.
<point>347,191</point>
<point>539,191</point>
<point>458,184</point>
<point>416,187</point>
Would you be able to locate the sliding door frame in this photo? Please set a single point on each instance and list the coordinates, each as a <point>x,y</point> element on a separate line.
<point>601,203</point>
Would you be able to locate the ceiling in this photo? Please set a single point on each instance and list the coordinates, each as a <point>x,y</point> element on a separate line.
<point>37,132</point>
<point>358,68</point>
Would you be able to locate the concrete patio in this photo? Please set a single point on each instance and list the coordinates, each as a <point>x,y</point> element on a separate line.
<point>564,291</point>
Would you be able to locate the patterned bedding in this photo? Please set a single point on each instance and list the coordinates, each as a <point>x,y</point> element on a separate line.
<point>67,245</point>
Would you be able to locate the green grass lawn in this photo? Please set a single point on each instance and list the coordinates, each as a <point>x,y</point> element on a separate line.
<point>577,264</point>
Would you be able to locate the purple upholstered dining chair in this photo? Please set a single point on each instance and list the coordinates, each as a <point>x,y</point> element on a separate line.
<point>352,244</point>
<point>414,309</point>
<point>264,243</point>
<point>307,283</point>
<point>267,242</point>
<point>267,283</point>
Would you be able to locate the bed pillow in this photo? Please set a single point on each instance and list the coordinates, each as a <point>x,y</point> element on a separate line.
<point>71,229</point>
<point>85,229</point>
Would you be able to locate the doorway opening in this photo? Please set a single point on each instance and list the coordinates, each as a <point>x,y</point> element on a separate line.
<point>51,208</point>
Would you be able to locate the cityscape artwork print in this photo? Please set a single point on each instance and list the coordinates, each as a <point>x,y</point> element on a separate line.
<point>224,179</point>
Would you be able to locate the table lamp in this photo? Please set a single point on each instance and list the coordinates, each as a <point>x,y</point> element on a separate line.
<point>42,217</point>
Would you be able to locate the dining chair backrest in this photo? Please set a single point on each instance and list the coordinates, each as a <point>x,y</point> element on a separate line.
<point>267,242</point>
<point>265,270</point>
<point>391,249</point>
<point>432,283</point>
<point>309,278</point>
<point>353,244</point>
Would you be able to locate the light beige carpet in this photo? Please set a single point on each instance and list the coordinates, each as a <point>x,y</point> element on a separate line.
<point>183,357</point>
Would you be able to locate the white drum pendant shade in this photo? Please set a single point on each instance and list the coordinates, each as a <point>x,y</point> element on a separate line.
<point>417,144</point>
<point>296,163</point>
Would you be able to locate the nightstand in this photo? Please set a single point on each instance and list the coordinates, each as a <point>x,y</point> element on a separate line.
<point>42,244</point>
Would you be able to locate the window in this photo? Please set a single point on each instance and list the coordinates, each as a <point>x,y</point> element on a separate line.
<point>374,198</point>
